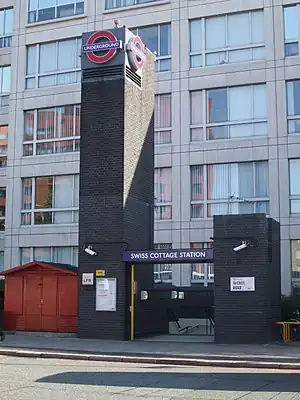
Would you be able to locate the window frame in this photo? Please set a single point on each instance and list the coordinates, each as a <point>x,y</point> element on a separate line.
<point>3,218</point>
<point>56,7</point>
<point>4,96</point>
<point>291,41</point>
<point>294,117</point>
<point>206,126</point>
<point>5,39</point>
<point>227,49</point>
<point>208,268</point>
<point>232,200</point>
<point>293,197</point>
<point>159,131</point>
<point>158,57</point>
<point>30,213</point>
<point>158,268</point>
<point>34,142</point>
<point>294,259</point>
<point>73,249</point>
<point>37,75</point>
<point>197,202</point>
<point>3,155</point>
<point>135,3</point>
<point>160,206</point>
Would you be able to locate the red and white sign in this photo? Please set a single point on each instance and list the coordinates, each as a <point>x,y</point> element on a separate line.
<point>136,51</point>
<point>101,47</point>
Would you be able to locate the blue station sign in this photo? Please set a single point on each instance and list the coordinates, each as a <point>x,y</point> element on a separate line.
<point>169,256</point>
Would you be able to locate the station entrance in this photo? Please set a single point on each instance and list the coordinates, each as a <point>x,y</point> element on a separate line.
<point>161,311</point>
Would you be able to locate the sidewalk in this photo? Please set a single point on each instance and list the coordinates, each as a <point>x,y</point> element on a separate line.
<point>275,355</point>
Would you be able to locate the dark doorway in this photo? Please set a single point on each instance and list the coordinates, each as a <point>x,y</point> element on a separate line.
<point>166,311</point>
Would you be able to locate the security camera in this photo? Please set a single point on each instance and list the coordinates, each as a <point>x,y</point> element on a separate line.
<point>90,251</point>
<point>241,247</point>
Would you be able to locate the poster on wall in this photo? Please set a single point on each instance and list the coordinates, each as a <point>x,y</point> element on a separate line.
<point>106,294</point>
<point>242,284</point>
<point>87,279</point>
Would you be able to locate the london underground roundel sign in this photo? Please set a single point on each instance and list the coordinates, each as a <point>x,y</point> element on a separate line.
<point>136,51</point>
<point>101,47</point>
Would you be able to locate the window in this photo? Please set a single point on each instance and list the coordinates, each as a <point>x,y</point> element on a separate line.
<point>295,256</point>
<point>53,63</point>
<point>202,272</point>
<point>61,255</point>
<point>44,10</point>
<point>227,39</point>
<point>125,3</point>
<point>50,200</point>
<point>295,186</point>
<point>158,38</point>
<point>52,130</point>
<point>291,32</point>
<point>238,188</point>
<point>163,193</point>
<point>197,191</point>
<point>228,113</point>
<point>6,27</point>
<point>293,106</point>
<point>163,272</point>
<point>2,207</point>
<point>3,145</point>
<point>1,260</point>
<point>4,85</point>
<point>163,119</point>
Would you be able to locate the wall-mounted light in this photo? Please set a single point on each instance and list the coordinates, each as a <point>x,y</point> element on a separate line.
<point>144,295</point>
<point>180,295</point>
<point>174,295</point>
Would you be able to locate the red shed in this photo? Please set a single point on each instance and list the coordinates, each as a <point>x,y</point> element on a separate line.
<point>41,296</point>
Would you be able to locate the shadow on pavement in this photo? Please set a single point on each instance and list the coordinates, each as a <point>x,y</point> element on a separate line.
<point>236,381</point>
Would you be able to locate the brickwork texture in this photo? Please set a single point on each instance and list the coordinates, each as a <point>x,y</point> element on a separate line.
<point>116,190</point>
<point>247,317</point>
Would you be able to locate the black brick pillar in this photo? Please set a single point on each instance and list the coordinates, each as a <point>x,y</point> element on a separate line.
<point>116,187</point>
<point>248,316</point>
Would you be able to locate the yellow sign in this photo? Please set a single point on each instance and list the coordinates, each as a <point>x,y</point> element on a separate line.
<point>100,272</point>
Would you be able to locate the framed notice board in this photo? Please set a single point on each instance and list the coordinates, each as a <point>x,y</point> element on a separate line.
<point>106,294</point>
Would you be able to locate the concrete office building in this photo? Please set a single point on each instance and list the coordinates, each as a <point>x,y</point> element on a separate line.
<point>227,122</point>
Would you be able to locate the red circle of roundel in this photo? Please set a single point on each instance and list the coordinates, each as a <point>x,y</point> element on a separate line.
<point>138,59</point>
<point>100,59</point>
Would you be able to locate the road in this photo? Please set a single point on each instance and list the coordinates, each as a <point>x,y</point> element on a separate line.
<point>41,379</point>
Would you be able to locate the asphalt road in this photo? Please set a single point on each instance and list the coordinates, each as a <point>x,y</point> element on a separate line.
<point>41,379</point>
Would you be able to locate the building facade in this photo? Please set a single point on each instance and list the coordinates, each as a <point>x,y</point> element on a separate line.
<point>227,122</point>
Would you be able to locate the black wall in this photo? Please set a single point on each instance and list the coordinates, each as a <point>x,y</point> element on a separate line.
<point>116,188</point>
<point>247,317</point>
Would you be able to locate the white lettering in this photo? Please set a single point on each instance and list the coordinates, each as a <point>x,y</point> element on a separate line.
<point>192,254</point>
<point>139,256</point>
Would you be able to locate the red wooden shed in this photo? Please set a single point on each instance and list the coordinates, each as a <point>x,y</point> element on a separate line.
<point>41,296</point>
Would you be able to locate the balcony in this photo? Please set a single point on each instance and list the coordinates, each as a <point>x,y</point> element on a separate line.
<point>110,4</point>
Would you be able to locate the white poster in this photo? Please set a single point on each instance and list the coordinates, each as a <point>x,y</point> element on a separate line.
<point>242,284</point>
<point>106,294</point>
<point>87,279</point>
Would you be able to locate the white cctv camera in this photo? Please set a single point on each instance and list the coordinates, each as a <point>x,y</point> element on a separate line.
<point>90,251</point>
<point>241,247</point>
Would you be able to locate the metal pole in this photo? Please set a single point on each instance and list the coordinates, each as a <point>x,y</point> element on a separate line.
<point>132,303</point>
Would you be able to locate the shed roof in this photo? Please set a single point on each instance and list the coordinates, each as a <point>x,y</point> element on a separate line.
<point>69,269</point>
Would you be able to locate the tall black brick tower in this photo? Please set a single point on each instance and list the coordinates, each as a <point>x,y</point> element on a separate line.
<point>116,169</point>
<point>246,313</point>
